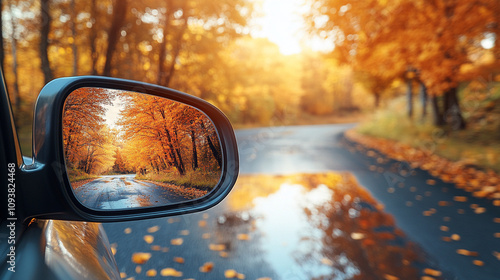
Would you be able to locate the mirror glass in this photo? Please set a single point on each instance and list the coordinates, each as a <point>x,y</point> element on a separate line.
<point>128,149</point>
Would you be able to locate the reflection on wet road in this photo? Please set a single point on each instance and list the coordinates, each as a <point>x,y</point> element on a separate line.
<point>123,191</point>
<point>391,222</point>
<point>321,226</point>
<point>328,227</point>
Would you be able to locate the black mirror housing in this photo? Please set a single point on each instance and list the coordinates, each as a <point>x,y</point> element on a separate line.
<point>52,196</point>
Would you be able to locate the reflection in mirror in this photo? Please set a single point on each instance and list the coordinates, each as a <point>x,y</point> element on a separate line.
<point>127,149</point>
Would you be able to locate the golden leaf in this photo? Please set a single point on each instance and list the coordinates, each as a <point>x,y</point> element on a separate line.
<point>151,273</point>
<point>170,272</point>
<point>153,229</point>
<point>149,239</point>
<point>140,258</point>
<point>177,241</point>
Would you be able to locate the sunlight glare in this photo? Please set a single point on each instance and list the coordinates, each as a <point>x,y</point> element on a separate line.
<point>281,24</point>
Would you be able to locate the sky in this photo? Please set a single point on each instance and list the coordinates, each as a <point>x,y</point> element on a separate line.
<point>281,24</point>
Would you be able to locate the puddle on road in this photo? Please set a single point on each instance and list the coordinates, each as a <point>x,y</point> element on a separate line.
<point>322,226</point>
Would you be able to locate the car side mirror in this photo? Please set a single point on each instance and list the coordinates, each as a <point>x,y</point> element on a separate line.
<point>115,150</point>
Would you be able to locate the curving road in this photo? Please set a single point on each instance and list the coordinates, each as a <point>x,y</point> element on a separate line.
<point>124,191</point>
<point>292,233</point>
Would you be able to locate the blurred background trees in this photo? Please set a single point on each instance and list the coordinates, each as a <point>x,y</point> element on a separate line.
<point>382,49</point>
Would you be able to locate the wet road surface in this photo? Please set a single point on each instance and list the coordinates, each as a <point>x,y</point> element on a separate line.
<point>123,191</point>
<point>381,220</point>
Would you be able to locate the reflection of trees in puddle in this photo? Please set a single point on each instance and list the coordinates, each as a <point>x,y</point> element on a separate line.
<point>328,225</point>
<point>358,240</point>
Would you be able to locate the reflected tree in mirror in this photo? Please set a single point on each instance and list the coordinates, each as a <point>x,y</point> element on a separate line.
<point>126,149</point>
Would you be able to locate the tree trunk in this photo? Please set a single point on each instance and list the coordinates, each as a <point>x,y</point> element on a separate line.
<point>453,114</point>
<point>44,40</point>
<point>93,37</point>
<point>377,100</point>
<point>214,150</point>
<point>165,77</point>
<point>73,34</point>
<point>423,99</point>
<point>195,151</point>
<point>437,116</point>
<point>410,98</point>
<point>119,12</point>
<point>163,45</point>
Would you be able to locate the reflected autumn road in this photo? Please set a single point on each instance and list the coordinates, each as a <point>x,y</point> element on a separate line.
<point>123,191</point>
<point>318,208</point>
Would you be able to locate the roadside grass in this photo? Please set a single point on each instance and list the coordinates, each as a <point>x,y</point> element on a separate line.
<point>196,179</point>
<point>478,145</point>
<point>77,175</point>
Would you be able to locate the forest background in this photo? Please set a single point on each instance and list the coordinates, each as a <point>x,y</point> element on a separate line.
<point>414,71</point>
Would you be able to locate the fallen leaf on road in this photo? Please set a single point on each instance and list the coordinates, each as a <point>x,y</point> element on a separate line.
<point>153,229</point>
<point>432,272</point>
<point>123,274</point>
<point>149,239</point>
<point>217,247</point>
<point>179,260</point>
<point>496,220</point>
<point>170,272</point>
<point>431,182</point>
<point>184,232</point>
<point>206,236</point>
<point>156,247</point>
<point>460,198</point>
<point>223,254</point>
<point>478,262</point>
<point>390,277</point>
<point>444,228</point>
<point>480,210</point>
<point>138,269</point>
<point>496,254</point>
<point>230,273</point>
<point>497,234</point>
<point>443,203</point>
<point>140,258</point>
<point>127,230</point>
<point>151,273</point>
<point>202,223</point>
<point>207,267</point>
<point>455,237</point>
<point>177,241</point>
<point>467,253</point>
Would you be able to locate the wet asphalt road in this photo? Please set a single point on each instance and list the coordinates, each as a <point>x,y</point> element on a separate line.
<point>123,191</point>
<point>426,211</point>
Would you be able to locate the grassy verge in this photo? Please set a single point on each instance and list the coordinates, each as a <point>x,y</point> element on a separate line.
<point>195,179</point>
<point>77,176</point>
<point>478,145</point>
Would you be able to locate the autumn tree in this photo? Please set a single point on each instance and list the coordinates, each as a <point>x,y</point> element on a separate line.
<point>433,37</point>
<point>170,135</point>
<point>46,20</point>
<point>86,138</point>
